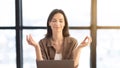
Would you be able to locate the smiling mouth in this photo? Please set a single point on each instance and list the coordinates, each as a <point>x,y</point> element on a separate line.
<point>56,27</point>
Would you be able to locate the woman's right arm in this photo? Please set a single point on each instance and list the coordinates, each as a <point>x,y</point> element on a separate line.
<point>36,46</point>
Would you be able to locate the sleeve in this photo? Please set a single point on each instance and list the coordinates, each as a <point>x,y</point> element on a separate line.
<point>69,46</point>
<point>43,47</point>
<point>75,44</point>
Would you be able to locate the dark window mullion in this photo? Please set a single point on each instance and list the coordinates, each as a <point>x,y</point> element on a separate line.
<point>7,27</point>
<point>19,49</point>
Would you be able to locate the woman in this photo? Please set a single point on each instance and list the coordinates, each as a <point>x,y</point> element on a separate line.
<point>57,44</point>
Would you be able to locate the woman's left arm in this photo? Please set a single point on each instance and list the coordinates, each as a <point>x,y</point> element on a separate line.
<point>77,50</point>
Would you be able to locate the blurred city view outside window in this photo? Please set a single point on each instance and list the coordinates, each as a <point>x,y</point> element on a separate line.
<point>108,13</point>
<point>35,12</point>
<point>108,49</point>
<point>7,49</point>
<point>7,36</point>
<point>7,13</point>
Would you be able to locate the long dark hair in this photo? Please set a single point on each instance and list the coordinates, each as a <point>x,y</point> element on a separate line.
<point>65,29</point>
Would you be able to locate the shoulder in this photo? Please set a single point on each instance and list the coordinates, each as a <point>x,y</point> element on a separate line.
<point>70,43</point>
<point>43,40</point>
<point>71,38</point>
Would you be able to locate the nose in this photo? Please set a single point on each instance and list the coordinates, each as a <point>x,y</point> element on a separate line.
<point>57,23</point>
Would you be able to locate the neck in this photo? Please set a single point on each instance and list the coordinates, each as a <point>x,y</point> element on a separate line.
<point>57,36</point>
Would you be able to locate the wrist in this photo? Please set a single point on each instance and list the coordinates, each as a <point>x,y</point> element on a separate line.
<point>37,46</point>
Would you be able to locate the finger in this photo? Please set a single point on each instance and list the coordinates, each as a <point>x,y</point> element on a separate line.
<point>27,38</point>
<point>86,38</point>
<point>89,39</point>
<point>30,36</point>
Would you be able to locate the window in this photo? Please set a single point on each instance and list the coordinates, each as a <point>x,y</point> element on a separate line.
<point>96,18</point>
<point>35,15</point>
<point>7,34</point>
<point>108,34</point>
<point>108,48</point>
<point>7,13</point>
<point>108,13</point>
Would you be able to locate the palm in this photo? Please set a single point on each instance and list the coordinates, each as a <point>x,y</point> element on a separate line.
<point>31,41</point>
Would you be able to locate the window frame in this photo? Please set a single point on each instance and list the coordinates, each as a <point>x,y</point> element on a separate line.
<point>19,28</point>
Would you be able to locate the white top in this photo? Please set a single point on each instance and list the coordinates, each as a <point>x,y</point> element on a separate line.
<point>58,56</point>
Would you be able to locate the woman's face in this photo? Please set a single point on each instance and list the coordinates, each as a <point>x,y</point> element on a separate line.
<point>57,23</point>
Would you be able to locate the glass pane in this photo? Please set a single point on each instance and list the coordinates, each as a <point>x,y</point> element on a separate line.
<point>84,61</point>
<point>7,12</point>
<point>7,49</point>
<point>35,15</point>
<point>108,12</point>
<point>29,52</point>
<point>108,49</point>
<point>29,55</point>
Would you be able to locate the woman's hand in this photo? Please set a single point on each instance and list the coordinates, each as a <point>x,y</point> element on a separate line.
<point>85,42</point>
<point>31,41</point>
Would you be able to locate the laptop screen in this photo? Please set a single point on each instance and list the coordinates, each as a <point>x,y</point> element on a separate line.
<point>56,64</point>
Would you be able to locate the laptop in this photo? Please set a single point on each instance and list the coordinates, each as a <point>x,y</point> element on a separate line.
<point>56,64</point>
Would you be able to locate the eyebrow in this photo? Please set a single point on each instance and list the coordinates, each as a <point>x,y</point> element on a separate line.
<point>55,19</point>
